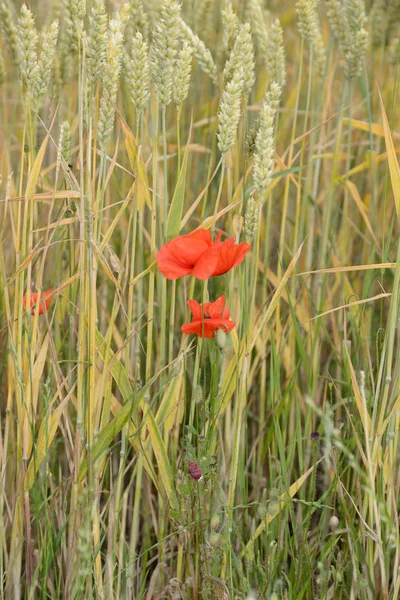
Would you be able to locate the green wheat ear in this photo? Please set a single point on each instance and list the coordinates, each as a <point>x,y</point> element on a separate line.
<point>310,30</point>
<point>275,56</point>
<point>264,140</point>
<point>230,26</point>
<point>74,11</point>
<point>164,51</point>
<point>229,112</point>
<point>200,52</point>
<point>27,52</point>
<point>138,73</point>
<point>348,25</point>
<point>137,20</point>
<point>242,57</point>
<point>255,14</point>
<point>45,63</point>
<point>9,30</point>
<point>182,74</point>
<point>96,45</point>
<point>110,79</point>
<point>2,69</point>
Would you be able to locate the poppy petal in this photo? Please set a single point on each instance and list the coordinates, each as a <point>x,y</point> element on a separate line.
<point>216,308</point>
<point>206,264</point>
<point>170,268</point>
<point>178,256</point>
<point>227,313</point>
<point>208,327</point>
<point>198,328</point>
<point>195,309</point>
<point>230,255</point>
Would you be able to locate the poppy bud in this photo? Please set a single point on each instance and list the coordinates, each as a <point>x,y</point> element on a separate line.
<point>215,521</point>
<point>194,471</point>
<point>334,522</point>
<point>221,338</point>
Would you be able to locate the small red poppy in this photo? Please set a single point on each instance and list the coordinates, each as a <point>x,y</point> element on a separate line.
<point>198,255</point>
<point>44,303</point>
<point>208,318</point>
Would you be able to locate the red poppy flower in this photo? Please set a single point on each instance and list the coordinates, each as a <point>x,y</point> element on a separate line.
<point>208,318</point>
<point>198,255</point>
<point>43,304</point>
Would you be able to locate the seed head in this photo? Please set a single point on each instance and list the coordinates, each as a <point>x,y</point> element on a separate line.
<point>64,146</point>
<point>251,219</point>
<point>96,45</point>
<point>264,142</point>
<point>27,50</point>
<point>310,30</point>
<point>165,50</point>
<point>75,11</point>
<point>230,26</point>
<point>202,17</point>
<point>182,74</point>
<point>137,20</point>
<point>45,63</point>
<point>275,57</point>
<point>111,73</point>
<point>2,69</point>
<point>348,25</point>
<point>9,30</point>
<point>201,53</point>
<point>138,73</point>
<point>394,51</point>
<point>255,14</point>
<point>229,112</point>
<point>242,57</point>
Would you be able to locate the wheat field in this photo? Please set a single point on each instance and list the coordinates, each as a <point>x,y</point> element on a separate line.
<point>199,299</point>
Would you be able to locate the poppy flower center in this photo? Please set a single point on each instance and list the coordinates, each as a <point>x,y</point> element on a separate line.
<point>207,316</point>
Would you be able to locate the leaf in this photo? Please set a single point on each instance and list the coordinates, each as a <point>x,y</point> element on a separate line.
<point>138,167</point>
<point>142,274</point>
<point>116,368</point>
<point>35,171</point>
<point>350,268</point>
<point>351,305</point>
<point>199,197</point>
<point>105,266</point>
<point>45,437</point>
<point>38,370</point>
<point>164,466</point>
<point>60,223</point>
<point>117,217</point>
<point>128,410</point>
<point>210,221</point>
<point>375,128</point>
<point>176,208</point>
<point>25,263</point>
<point>294,488</point>
<point>392,159</point>
<point>166,413</point>
<point>278,293</point>
<point>361,405</point>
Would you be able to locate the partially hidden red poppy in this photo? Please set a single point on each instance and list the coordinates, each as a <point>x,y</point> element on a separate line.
<point>198,255</point>
<point>208,318</point>
<point>44,303</point>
